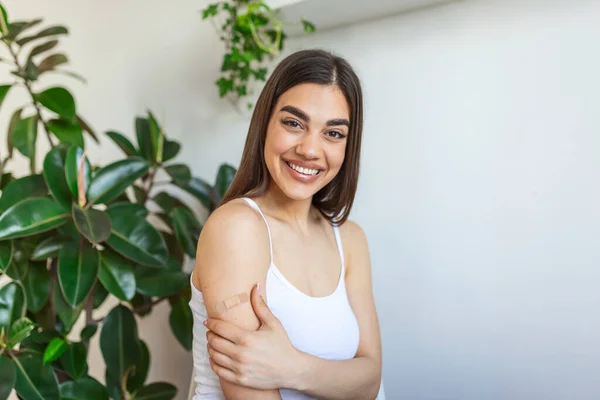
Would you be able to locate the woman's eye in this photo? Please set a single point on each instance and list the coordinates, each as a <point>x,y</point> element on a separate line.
<point>292,123</point>
<point>336,134</point>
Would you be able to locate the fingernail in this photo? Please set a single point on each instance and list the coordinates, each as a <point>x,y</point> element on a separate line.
<point>259,289</point>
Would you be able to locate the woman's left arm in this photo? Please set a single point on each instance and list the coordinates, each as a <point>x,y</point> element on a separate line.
<point>265,359</point>
<point>359,377</point>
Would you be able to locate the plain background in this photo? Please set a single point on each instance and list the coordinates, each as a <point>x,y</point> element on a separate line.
<point>479,188</point>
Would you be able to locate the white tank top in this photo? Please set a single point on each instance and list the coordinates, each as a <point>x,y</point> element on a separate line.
<point>322,326</point>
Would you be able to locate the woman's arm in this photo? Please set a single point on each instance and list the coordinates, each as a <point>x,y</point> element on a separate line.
<point>265,358</point>
<point>232,256</point>
<point>359,377</point>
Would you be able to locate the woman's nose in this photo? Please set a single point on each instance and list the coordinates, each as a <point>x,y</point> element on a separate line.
<point>309,146</point>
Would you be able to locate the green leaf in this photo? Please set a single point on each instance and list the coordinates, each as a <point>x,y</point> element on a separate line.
<point>6,254</point>
<point>77,271</point>
<point>42,48</point>
<point>8,377</point>
<point>74,359</point>
<point>86,127</point>
<point>19,267</point>
<point>21,189</point>
<point>210,11</point>
<point>14,121</point>
<point>119,341</point>
<point>37,286</point>
<point>224,177</point>
<point>158,138</point>
<point>187,229</point>
<point>5,179</point>
<point>116,275</point>
<point>144,137</point>
<point>35,381</point>
<point>54,175</point>
<point>136,239</point>
<point>4,24</point>
<point>138,376</point>
<point>202,191</point>
<point>167,202</point>
<point>113,386</point>
<point>55,30</point>
<point>59,100</point>
<point>66,131</point>
<point>171,149</point>
<point>3,92</point>
<point>100,294</point>
<point>24,134</point>
<point>181,322</point>
<point>83,389</point>
<point>160,282</point>
<point>12,304</point>
<point>128,209</point>
<point>139,300</point>
<point>31,216</point>
<point>309,27</point>
<point>89,331</point>
<point>20,330</point>
<point>49,248</point>
<point>67,314</point>
<point>93,224</point>
<point>156,391</point>
<point>123,143</point>
<point>52,61</point>
<point>180,173</point>
<point>55,349</point>
<point>225,86</point>
<point>110,181</point>
<point>72,167</point>
<point>18,27</point>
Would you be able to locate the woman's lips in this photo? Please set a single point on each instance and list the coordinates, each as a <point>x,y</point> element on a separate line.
<point>299,176</point>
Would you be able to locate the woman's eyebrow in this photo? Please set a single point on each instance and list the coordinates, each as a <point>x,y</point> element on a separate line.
<point>303,116</point>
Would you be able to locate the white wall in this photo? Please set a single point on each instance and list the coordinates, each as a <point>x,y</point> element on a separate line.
<point>478,192</point>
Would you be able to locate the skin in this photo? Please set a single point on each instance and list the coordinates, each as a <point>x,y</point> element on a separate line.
<point>249,348</point>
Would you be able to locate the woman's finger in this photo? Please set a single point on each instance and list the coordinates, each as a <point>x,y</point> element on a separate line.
<point>221,345</point>
<point>222,359</point>
<point>223,372</point>
<point>225,329</point>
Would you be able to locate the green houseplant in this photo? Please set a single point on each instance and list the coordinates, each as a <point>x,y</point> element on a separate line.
<point>252,34</point>
<point>73,233</point>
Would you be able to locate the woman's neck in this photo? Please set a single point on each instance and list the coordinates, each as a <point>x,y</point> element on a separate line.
<point>294,212</point>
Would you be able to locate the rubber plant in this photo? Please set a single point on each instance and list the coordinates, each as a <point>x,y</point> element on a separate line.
<point>73,233</point>
<point>253,35</point>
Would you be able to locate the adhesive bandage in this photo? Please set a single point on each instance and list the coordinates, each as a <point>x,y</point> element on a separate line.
<point>233,301</point>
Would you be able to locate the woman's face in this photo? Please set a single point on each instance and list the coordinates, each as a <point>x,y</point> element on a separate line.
<point>306,139</point>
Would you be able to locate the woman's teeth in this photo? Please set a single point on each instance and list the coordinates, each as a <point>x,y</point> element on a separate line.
<point>305,171</point>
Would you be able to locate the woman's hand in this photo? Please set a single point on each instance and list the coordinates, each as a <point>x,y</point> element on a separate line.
<point>261,359</point>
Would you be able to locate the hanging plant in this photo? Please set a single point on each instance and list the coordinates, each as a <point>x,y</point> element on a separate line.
<point>253,35</point>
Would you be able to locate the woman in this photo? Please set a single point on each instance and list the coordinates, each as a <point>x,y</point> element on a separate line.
<point>281,237</point>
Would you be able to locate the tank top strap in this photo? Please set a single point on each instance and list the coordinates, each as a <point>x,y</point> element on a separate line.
<point>255,206</point>
<point>338,240</point>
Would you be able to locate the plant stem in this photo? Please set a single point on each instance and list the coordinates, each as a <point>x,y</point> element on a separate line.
<point>148,306</point>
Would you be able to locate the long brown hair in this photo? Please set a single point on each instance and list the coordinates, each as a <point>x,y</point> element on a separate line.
<point>252,179</point>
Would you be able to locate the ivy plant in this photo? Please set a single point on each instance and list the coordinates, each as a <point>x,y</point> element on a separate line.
<point>73,233</point>
<point>252,35</point>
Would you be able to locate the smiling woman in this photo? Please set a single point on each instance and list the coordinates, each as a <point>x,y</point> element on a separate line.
<point>282,236</point>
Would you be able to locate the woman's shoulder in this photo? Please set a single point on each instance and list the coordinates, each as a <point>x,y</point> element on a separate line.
<point>233,217</point>
<point>234,240</point>
<point>354,242</point>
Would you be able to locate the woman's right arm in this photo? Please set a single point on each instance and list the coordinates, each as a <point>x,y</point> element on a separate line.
<point>233,256</point>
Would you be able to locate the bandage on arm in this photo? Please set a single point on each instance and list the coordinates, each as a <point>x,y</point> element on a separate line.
<point>232,302</point>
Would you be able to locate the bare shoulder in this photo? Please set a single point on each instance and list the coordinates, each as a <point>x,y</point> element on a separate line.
<point>233,242</point>
<point>353,235</point>
<point>356,248</point>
